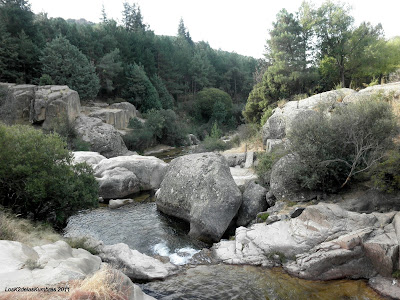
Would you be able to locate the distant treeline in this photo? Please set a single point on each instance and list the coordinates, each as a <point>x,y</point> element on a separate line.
<point>110,60</point>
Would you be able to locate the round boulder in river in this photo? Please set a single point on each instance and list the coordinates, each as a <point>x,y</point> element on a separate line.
<point>199,189</point>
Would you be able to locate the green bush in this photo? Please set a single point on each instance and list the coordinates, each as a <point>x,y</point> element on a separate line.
<point>334,149</point>
<point>386,175</point>
<point>161,126</point>
<point>215,144</point>
<point>265,163</point>
<point>38,179</point>
<point>264,118</point>
<point>214,103</point>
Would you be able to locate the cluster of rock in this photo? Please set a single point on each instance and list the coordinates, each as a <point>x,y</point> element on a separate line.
<point>52,264</point>
<point>121,176</point>
<point>52,107</point>
<point>277,127</point>
<point>325,242</point>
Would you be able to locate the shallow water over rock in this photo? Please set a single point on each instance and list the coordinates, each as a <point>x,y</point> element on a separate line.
<point>225,282</point>
<point>140,226</point>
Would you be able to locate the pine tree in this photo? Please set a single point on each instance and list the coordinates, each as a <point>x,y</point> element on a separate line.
<point>65,64</point>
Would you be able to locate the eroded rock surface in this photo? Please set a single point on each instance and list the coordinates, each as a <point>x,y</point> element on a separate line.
<point>43,265</point>
<point>325,242</point>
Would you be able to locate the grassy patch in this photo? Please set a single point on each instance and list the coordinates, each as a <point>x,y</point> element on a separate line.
<point>263,217</point>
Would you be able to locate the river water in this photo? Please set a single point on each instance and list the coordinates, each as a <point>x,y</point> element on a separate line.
<point>143,228</point>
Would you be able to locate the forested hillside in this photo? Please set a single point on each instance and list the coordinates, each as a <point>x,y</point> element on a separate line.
<point>110,60</point>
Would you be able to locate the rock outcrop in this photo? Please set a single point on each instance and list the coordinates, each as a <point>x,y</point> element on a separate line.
<point>199,189</point>
<point>284,184</point>
<point>134,264</point>
<point>279,124</point>
<point>117,114</point>
<point>43,265</point>
<point>102,137</point>
<point>91,158</point>
<point>121,176</point>
<point>325,242</point>
<point>389,91</point>
<point>55,106</point>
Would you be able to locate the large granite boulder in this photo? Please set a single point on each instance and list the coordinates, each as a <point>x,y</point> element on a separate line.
<point>54,105</point>
<point>386,91</point>
<point>43,265</point>
<point>199,189</point>
<point>279,124</point>
<point>325,242</point>
<point>284,184</point>
<point>134,264</point>
<point>253,202</point>
<point>117,114</point>
<point>121,176</point>
<point>102,137</point>
<point>17,106</point>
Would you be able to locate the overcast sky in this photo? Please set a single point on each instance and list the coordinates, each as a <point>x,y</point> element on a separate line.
<point>232,25</point>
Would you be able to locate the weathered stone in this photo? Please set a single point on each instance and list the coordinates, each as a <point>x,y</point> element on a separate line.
<point>134,264</point>
<point>18,105</point>
<point>199,188</point>
<point>117,114</point>
<point>389,91</point>
<point>284,184</point>
<point>55,105</point>
<point>279,124</point>
<point>119,202</point>
<point>325,242</point>
<point>253,203</point>
<point>274,144</point>
<point>103,138</point>
<point>123,175</point>
<point>91,158</point>
<point>387,287</point>
<point>43,265</point>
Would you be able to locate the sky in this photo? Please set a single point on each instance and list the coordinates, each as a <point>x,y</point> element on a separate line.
<point>239,26</point>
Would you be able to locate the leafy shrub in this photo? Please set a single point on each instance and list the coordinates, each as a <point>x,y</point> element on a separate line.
<point>38,179</point>
<point>265,163</point>
<point>46,80</point>
<point>386,175</point>
<point>334,149</point>
<point>266,115</point>
<point>215,144</point>
<point>161,126</point>
<point>206,102</point>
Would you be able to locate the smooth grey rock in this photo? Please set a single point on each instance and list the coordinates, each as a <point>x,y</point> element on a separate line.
<point>199,189</point>
<point>119,202</point>
<point>274,144</point>
<point>193,140</point>
<point>284,184</point>
<point>91,158</point>
<point>253,203</point>
<point>102,137</point>
<point>121,176</point>
<point>134,264</point>
<point>387,287</point>
<point>54,263</point>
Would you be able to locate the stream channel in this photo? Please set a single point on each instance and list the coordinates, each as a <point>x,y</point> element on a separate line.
<point>143,228</point>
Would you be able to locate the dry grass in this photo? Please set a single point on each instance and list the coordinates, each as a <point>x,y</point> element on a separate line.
<point>25,231</point>
<point>105,284</point>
